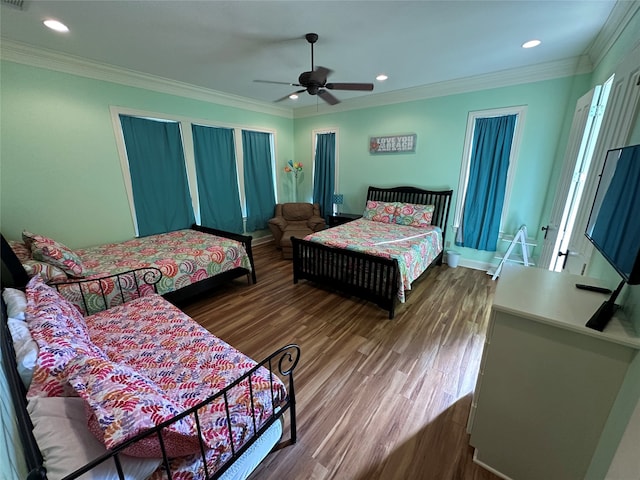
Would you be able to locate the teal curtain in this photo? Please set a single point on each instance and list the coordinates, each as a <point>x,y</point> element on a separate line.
<point>158,176</point>
<point>258,179</point>
<point>217,178</point>
<point>488,169</point>
<point>325,172</point>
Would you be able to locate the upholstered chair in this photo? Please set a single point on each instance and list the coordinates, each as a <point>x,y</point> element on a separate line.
<point>294,220</point>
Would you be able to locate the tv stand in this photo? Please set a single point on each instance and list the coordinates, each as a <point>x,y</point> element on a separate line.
<point>601,318</point>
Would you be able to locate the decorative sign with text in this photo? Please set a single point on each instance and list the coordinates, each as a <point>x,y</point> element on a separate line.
<point>393,144</point>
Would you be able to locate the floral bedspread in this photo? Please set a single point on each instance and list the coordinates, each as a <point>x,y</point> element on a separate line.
<point>189,364</point>
<point>414,248</point>
<point>184,257</point>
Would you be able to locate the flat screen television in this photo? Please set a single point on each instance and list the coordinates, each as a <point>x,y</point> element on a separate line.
<point>614,223</point>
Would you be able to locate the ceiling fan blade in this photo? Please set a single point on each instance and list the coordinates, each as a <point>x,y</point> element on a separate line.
<point>278,83</point>
<point>327,97</point>
<point>292,93</point>
<point>320,74</point>
<point>350,86</point>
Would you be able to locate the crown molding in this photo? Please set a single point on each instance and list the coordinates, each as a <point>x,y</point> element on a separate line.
<point>28,55</point>
<point>620,16</point>
<point>503,78</point>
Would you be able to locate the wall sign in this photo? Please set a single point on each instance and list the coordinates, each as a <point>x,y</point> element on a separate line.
<point>393,144</point>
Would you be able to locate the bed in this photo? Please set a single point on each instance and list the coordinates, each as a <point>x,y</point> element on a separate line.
<point>355,260</point>
<point>192,261</point>
<point>160,392</point>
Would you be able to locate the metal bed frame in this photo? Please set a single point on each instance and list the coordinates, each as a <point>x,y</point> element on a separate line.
<point>284,359</point>
<point>177,297</point>
<point>362,275</point>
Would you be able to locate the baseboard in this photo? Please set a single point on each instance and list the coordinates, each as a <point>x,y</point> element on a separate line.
<point>474,264</point>
<point>487,467</point>
<point>262,240</point>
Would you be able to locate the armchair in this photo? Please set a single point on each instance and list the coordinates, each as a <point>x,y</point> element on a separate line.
<point>294,220</point>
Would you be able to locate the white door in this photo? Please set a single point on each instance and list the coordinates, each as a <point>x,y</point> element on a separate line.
<point>622,108</point>
<point>584,131</point>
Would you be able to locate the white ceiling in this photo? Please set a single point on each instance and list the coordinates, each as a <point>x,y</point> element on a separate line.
<point>225,45</point>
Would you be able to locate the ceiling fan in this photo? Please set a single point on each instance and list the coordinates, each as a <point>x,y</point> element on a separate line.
<point>315,81</point>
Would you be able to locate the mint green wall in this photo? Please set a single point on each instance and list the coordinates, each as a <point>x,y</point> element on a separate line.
<point>60,170</point>
<point>440,124</point>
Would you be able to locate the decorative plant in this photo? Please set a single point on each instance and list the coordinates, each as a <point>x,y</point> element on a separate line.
<point>295,167</point>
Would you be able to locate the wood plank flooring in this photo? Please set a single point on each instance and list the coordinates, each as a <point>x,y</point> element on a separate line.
<point>377,399</point>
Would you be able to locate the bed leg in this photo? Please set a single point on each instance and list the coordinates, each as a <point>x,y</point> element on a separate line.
<point>292,411</point>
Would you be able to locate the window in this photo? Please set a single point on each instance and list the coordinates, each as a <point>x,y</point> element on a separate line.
<point>484,221</point>
<point>211,155</point>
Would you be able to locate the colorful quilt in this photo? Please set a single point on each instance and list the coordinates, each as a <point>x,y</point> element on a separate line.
<point>413,248</point>
<point>184,257</point>
<point>189,364</point>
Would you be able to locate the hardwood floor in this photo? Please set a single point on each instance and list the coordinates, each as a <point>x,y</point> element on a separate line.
<point>377,399</point>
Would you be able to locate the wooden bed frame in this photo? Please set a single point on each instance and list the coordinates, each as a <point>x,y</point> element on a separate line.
<point>362,275</point>
<point>282,363</point>
<point>177,297</point>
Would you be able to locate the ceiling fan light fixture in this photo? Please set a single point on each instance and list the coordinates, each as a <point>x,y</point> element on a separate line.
<point>382,77</point>
<point>56,25</point>
<point>293,96</point>
<point>531,44</point>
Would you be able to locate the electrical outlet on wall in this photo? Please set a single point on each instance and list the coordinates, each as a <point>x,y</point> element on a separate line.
<point>447,244</point>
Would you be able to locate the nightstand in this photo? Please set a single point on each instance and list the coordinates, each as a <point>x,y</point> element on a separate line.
<point>340,218</point>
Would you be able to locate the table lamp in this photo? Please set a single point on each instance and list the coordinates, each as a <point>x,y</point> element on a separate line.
<point>338,199</point>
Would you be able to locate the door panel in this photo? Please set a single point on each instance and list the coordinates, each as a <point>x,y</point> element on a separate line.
<point>568,183</point>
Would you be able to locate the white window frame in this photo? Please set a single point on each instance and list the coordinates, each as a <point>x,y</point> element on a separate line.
<point>189,154</point>
<point>314,146</point>
<point>521,112</point>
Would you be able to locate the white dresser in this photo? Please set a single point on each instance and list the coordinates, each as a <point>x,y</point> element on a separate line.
<point>547,384</point>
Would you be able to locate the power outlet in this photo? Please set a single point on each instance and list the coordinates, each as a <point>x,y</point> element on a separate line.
<point>447,244</point>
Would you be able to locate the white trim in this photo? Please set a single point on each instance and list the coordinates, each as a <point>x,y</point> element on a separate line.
<point>487,467</point>
<point>517,76</point>
<point>188,152</point>
<point>521,112</point>
<point>38,57</point>
<point>619,18</point>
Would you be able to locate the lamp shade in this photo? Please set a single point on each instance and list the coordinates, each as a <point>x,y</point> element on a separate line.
<point>338,198</point>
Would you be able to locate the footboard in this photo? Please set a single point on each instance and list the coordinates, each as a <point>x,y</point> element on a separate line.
<point>244,239</point>
<point>365,276</point>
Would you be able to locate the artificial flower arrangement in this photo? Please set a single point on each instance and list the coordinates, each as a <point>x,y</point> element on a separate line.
<point>295,167</point>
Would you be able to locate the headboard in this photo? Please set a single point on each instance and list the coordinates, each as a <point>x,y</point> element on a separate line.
<point>440,199</point>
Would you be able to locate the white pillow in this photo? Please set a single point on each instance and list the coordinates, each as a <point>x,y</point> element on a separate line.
<point>26,349</point>
<point>60,428</point>
<point>16,301</point>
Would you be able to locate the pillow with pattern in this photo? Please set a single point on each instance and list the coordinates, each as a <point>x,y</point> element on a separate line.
<point>124,403</point>
<point>380,211</point>
<point>22,251</point>
<point>60,332</point>
<point>55,253</point>
<point>414,215</point>
<point>49,273</point>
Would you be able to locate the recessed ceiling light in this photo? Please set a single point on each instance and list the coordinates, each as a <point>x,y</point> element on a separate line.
<point>56,25</point>
<point>382,77</point>
<point>531,44</point>
<point>293,96</point>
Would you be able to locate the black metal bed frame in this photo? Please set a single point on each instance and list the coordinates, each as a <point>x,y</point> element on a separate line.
<point>362,275</point>
<point>177,297</point>
<point>285,358</point>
